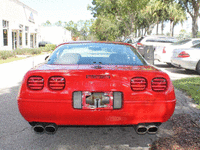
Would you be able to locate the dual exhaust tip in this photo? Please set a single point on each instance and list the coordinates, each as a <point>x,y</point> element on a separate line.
<point>42,128</point>
<point>52,128</point>
<point>143,129</point>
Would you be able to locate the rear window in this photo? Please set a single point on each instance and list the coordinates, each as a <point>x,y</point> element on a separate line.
<point>182,42</point>
<point>96,53</point>
<point>162,40</point>
<point>196,46</point>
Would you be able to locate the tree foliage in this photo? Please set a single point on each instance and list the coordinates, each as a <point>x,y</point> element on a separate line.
<point>193,8</point>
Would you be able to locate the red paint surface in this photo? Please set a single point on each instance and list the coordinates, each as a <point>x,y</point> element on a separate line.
<point>48,105</point>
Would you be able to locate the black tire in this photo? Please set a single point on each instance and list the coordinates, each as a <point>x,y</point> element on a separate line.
<point>170,65</point>
<point>198,67</point>
<point>188,70</point>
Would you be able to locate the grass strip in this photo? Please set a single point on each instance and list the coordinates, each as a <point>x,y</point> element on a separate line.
<point>11,59</point>
<point>191,86</point>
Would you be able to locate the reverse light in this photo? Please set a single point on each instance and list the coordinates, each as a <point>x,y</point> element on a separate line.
<point>56,83</point>
<point>35,83</point>
<point>159,84</point>
<point>138,84</point>
<point>183,54</point>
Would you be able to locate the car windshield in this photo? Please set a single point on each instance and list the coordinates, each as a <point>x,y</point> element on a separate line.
<point>182,42</point>
<point>96,53</point>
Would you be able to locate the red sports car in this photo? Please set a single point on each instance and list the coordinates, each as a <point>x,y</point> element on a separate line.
<point>96,83</point>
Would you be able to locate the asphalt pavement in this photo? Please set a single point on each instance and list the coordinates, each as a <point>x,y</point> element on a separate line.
<point>16,133</point>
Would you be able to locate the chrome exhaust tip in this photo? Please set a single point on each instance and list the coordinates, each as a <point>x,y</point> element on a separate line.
<point>38,128</point>
<point>51,128</point>
<point>152,129</point>
<point>141,129</point>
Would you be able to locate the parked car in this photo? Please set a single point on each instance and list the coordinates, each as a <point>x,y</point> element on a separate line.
<point>43,43</point>
<point>187,58</point>
<point>96,83</point>
<point>164,54</point>
<point>153,40</point>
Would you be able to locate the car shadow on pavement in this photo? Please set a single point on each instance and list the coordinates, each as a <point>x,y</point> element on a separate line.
<point>16,133</point>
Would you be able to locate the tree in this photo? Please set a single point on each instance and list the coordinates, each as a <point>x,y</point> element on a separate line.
<point>192,7</point>
<point>123,12</point>
<point>47,23</point>
<point>73,27</point>
<point>176,14</point>
<point>105,29</point>
<point>59,23</point>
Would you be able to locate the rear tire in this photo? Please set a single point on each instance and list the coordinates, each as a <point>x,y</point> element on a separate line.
<point>170,65</point>
<point>198,67</point>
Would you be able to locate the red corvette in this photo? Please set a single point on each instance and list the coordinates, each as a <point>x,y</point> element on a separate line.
<point>96,83</point>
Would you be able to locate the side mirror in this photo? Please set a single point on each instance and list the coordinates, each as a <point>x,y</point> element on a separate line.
<point>46,57</point>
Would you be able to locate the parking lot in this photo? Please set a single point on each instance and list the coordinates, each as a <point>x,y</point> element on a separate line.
<point>16,133</point>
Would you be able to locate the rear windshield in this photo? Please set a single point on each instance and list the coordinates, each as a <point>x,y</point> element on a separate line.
<point>162,40</point>
<point>96,53</point>
<point>182,42</point>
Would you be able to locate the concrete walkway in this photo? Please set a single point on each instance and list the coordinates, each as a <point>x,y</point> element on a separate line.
<point>11,74</point>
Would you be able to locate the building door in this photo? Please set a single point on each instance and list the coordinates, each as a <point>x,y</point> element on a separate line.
<point>14,40</point>
<point>31,40</point>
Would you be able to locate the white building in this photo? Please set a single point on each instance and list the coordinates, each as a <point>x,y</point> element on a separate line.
<point>18,25</point>
<point>54,34</point>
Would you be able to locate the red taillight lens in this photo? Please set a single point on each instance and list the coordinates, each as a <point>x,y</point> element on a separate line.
<point>35,83</point>
<point>183,54</point>
<point>138,84</point>
<point>159,84</point>
<point>56,83</point>
<point>164,51</point>
<point>139,44</point>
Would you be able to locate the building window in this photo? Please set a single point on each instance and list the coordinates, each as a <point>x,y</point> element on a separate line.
<point>35,40</point>
<point>26,38</point>
<point>5,24</point>
<point>26,34</point>
<point>20,37</point>
<point>5,37</point>
<point>26,28</point>
<point>5,32</point>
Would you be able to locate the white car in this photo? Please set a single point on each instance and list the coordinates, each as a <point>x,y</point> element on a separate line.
<point>164,54</point>
<point>155,41</point>
<point>187,58</point>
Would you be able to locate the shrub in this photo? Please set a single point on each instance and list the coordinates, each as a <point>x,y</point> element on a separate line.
<point>50,47</point>
<point>34,51</point>
<point>6,54</point>
<point>23,51</point>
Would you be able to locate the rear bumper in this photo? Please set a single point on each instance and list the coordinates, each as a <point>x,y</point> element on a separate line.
<point>62,113</point>
<point>184,63</point>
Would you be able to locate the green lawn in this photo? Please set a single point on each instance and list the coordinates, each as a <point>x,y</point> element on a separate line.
<point>191,86</point>
<point>11,59</point>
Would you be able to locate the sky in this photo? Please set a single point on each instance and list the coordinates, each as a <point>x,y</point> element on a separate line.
<point>75,10</point>
<point>63,10</point>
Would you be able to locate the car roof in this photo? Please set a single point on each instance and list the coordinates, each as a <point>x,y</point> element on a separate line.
<point>106,42</point>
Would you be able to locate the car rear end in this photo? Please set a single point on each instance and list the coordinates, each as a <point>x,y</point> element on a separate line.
<point>185,58</point>
<point>97,93</point>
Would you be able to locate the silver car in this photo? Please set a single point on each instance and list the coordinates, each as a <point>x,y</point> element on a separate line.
<point>187,58</point>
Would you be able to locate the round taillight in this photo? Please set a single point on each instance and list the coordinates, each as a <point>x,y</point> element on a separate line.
<point>56,83</point>
<point>138,84</point>
<point>35,83</point>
